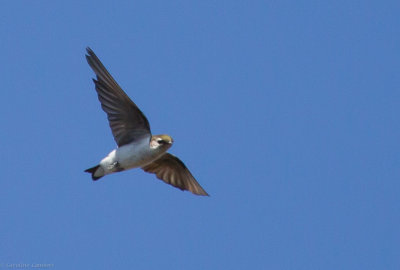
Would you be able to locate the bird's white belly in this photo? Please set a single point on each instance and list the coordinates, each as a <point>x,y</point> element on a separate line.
<point>134,155</point>
<point>129,156</point>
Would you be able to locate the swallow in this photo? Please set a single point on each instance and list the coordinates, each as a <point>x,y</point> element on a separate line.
<point>137,147</point>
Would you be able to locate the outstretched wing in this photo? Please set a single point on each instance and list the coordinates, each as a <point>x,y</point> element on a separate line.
<point>126,121</point>
<point>173,171</point>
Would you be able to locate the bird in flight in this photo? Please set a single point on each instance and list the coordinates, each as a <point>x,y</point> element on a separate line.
<point>137,147</point>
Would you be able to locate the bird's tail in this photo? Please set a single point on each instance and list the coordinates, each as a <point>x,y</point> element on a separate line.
<point>96,171</point>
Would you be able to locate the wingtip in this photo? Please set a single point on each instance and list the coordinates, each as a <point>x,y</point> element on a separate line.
<point>89,55</point>
<point>200,193</point>
<point>204,194</point>
<point>88,50</point>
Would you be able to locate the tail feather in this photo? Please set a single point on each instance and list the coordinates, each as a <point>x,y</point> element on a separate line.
<point>93,171</point>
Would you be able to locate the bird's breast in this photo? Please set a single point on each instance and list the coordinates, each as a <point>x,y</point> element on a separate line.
<point>136,155</point>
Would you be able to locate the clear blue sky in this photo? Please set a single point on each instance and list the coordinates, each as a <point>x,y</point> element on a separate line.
<point>287,113</point>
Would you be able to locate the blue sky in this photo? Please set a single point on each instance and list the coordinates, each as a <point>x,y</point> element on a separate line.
<point>286,112</point>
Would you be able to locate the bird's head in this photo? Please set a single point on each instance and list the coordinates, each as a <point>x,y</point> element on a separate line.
<point>161,141</point>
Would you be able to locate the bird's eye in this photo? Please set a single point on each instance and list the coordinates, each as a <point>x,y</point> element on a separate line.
<point>160,141</point>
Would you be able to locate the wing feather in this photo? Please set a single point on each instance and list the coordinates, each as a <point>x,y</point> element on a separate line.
<point>173,171</point>
<point>126,121</point>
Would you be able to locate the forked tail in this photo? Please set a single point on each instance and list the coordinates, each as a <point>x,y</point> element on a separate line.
<point>96,171</point>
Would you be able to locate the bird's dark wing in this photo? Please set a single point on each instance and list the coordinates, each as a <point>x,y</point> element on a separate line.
<point>173,171</point>
<point>127,122</point>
